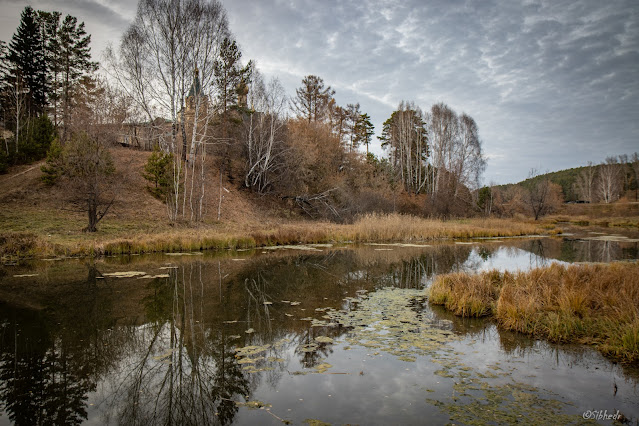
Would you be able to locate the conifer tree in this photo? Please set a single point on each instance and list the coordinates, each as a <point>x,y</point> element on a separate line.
<point>230,76</point>
<point>73,61</point>
<point>312,99</point>
<point>27,55</point>
<point>364,131</point>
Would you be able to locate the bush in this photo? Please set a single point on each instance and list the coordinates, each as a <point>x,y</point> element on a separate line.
<point>54,167</point>
<point>34,143</point>
<point>158,171</point>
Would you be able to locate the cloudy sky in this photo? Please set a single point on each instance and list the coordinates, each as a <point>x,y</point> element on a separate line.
<point>551,84</point>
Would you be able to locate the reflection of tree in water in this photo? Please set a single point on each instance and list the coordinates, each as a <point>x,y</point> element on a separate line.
<point>310,352</point>
<point>607,250</point>
<point>43,382</point>
<point>181,371</point>
<point>537,249</point>
<point>578,250</point>
<point>417,272</point>
<point>47,371</point>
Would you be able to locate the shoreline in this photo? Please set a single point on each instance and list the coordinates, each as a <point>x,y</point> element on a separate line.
<point>396,228</point>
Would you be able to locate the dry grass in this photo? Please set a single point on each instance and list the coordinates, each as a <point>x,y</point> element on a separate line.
<point>591,304</point>
<point>396,227</point>
<point>56,232</point>
<point>606,221</point>
<point>468,295</point>
<point>138,223</point>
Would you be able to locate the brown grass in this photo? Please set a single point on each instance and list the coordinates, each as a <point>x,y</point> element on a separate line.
<point>57,233</point>
<point>591,304</point>
<point>137,223</point>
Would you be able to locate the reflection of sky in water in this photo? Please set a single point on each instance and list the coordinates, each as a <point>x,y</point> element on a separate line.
<point>575,372</point>
<point>506,259</point>
<point>194,324</point>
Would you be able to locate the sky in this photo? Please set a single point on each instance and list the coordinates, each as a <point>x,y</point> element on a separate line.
<point>552,84</point>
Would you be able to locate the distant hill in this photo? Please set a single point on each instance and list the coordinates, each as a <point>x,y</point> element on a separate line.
<point>564,178</point>
<point>567,179</point>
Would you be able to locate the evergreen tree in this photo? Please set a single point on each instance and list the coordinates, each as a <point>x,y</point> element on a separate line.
<point>54,166</point>
<point>231,80</point>
<point>51,28</point>
<point>4,86</point>
<point>35,141</point>
<point>28,58</point>
<point>230,77</point>
<point>364,131</point>
<point>4,68</point>
<point>73,61</point>
<point>158,171</point>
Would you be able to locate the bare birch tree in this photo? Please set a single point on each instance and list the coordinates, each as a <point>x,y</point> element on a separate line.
<point>585,183</point>
<point>444,130</point>
<point>264,133</point>
<point>405,135</point>
<point>609,181</point>
<point>168,40</point>
<point>457,158</point>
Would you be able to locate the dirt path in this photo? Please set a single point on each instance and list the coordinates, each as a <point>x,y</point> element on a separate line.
<point>16,181</point>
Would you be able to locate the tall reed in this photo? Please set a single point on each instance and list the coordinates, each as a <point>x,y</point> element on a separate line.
<point>591,304</point>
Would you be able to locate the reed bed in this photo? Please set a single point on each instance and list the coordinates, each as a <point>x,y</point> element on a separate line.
<point>131,238</point>
<point>397,227</point>
<point>594,304</point>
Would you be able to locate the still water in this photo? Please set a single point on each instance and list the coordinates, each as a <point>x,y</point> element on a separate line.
<point>335,334</point>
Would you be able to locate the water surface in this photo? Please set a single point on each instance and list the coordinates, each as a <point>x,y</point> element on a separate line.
<point>335,334</point>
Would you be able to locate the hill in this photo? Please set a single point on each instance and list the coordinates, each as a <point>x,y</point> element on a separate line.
<point>567,180</point>
<point>564,178</point>
<point>35,220</point>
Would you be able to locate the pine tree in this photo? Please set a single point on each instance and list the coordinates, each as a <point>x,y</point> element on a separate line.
<point>74,62</point>
<point>27,55</point>
<point>51,28</point>
<point>230,76</point>
<point>364,131</point>
<point>231,81</point>
<point>158,170</point>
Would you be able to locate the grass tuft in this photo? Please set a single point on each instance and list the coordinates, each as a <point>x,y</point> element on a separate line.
<point>590,304</point>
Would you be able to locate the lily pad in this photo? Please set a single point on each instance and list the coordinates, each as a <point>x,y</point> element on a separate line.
<point>125,274</point>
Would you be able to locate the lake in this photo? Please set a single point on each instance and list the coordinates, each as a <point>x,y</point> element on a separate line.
<point>309,334</point>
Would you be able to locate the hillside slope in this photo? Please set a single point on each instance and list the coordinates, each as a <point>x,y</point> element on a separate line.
<point>30,205</point>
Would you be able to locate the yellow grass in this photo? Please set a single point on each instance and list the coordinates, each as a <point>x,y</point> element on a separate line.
<point>47,235</point>
<point>592,304</point>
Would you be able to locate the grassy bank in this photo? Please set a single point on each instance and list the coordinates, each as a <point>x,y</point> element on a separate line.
<point>60,237</point>
<point>589,304</point>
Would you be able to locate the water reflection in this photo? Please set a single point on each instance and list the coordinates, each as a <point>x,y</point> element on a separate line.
<point>78,345</point>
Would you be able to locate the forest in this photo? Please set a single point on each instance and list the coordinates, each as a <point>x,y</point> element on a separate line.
<point>177,86</point>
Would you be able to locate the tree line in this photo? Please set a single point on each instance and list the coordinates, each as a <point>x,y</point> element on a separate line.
<point>543,194</point>
<point>177,84</point>
<point>180,61</point>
